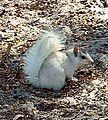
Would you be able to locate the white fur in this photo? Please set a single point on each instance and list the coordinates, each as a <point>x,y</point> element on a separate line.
<point>49,42</point>
<point>46,67</point>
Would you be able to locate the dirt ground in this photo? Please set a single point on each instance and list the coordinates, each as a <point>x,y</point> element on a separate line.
<point>83,98</point>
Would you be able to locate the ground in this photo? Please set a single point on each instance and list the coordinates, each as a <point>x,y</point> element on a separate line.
<point>83,98</point>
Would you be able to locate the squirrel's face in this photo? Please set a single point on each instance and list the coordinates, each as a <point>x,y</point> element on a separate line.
<point>85,57</point>
<point>81,56</point>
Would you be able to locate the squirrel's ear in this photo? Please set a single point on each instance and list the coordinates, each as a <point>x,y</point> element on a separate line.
<point>75,50</point>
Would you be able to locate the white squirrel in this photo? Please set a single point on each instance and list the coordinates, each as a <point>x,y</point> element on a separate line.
<point>47,67</point>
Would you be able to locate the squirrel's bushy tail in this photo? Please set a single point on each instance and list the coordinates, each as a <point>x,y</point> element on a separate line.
<point>47,43</point>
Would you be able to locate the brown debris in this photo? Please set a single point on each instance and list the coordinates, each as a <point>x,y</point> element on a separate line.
<point>83,97</point>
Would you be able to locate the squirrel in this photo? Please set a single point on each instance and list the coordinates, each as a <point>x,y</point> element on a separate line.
<point>46,66</point>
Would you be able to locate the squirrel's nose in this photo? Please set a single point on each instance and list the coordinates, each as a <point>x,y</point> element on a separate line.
<point>92,61</point>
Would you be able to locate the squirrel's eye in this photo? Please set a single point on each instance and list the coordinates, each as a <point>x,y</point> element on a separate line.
<point>83,57</point>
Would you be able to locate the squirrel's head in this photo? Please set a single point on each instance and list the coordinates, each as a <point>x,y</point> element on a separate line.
<point>81,55</point>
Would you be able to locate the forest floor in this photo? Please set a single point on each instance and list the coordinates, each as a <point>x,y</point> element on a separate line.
<point>85,97</point>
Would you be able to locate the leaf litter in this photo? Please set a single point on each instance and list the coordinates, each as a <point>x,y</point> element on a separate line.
<point>84,97</point>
